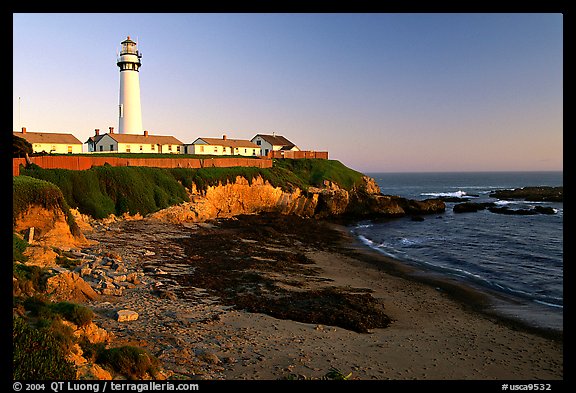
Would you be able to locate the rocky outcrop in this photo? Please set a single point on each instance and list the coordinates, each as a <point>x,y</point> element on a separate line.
<point>68,285</point>
<point>471,207</point>
<point>240,197</point>
<point>523,212</point>
<point>468,207</point>
<point>533,194</point>
<point>330,200</point>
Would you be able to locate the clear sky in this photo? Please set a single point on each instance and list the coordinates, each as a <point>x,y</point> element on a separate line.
<point>381,92</point>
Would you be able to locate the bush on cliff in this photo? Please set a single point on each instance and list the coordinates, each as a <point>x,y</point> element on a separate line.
<point>104,190</point>
<point>37,355</point>
<point>207,177</point>
<point>313,172</point>
<point>29,191</point>
<point>133,362</point>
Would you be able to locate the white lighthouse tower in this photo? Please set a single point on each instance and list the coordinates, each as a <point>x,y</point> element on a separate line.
<point>130,112</point>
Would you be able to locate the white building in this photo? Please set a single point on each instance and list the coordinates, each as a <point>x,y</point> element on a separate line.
<point>269,143</point>
<point>129,109</point>
<point>131,143</point>
<point>51,142</point>
<point>223,147</point>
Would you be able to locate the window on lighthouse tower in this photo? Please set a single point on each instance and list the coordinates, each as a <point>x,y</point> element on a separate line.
<point>121,110</point>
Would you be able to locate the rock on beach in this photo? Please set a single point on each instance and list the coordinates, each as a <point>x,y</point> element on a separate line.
<point>126,315</point>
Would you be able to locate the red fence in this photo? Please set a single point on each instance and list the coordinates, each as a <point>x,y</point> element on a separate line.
<point>298,154</point>
<point>82,162</point>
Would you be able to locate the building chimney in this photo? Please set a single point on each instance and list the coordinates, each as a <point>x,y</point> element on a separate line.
<point>23,130</point>
<point>111,130</point>
<point>97,131</point>
<point>145,132</point>
<point>224,137</point>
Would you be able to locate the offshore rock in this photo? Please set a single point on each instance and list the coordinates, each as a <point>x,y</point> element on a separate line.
<point>534,194</point>
<point>471,207</point>
<point>427,206</point>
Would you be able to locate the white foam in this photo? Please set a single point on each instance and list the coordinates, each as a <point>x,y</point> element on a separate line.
<point>458,194</point>
<point>409,242</point>
<point>502,202</point>
<point>549,304</point>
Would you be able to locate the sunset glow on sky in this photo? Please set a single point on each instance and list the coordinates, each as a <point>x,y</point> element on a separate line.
<point>381,92</point>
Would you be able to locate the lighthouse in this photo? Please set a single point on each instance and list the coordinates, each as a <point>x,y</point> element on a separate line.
<point>129,110</point>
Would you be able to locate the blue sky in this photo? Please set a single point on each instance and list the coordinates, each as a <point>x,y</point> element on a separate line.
<point>380,92</point>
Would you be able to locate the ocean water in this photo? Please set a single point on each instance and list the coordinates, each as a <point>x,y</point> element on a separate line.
<point>517,258</point>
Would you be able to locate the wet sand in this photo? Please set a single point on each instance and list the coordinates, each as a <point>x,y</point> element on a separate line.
<point>277,266</point>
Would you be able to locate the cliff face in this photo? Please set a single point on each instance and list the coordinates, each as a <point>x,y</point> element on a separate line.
<point>240,197</point>
<point>50,227</point>
<point>231,199</point>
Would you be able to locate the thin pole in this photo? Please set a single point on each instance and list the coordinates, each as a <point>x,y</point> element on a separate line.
<point>19,121</point>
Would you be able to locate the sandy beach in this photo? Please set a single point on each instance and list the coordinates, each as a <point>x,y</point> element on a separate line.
<point>436,331</point>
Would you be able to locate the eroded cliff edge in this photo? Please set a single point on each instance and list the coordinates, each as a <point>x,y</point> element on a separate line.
<point>240,196</point>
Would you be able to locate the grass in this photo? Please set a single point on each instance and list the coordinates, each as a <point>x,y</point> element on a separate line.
<point>153,155</point>
<point>206,177</point>
<point>313,172</point>
<point>104,190</point>
<point>38,355</point>
<point>19,245</point>
<point>72,312</point>
<point>133,362</point>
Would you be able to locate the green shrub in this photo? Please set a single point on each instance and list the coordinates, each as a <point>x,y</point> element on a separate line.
<point>37,355</point>
<point>28,191</point>
<point>75,313</point>
<point>30,277</point>
<point>72,312</point>
<point>19,245</point>
<point>104,190</point>
<point>133,362</point>
<point>91,351</point>
<point>209,177</point>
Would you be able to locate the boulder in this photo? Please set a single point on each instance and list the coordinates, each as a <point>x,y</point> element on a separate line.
<point>126,315</point>
<point>427,206</point>
<point>545,210</point>
<point>467,207</point>
<point>69,286</point>
<point>516,212</point>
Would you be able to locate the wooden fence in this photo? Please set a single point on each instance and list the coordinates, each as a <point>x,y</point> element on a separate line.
<point>298,154</point>
<point>83,162</point>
